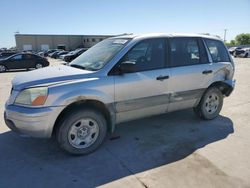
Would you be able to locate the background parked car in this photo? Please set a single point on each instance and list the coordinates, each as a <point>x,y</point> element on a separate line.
<point>74,54</point>
<point>41,53</point>
<point>4,55</point>
<point>23,61</point>
<point>48,52</point>
<point>238,51</point>
<point>61,53</point>
<point>56,54</point>
<point>232,49</point>
<point>244,52</point>
<point>52,54</point>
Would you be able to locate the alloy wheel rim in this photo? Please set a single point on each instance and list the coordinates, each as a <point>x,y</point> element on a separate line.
<point>38,66</point>
<point>2,68</point>
<point>83,133</point>
<point>212,103</point>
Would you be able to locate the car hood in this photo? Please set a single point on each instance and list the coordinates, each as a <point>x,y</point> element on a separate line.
<point>48,76</point>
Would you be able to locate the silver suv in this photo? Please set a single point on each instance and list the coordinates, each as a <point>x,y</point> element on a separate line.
<point>120,79</point>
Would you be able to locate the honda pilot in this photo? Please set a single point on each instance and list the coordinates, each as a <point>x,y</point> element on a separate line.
<point>120,79</point>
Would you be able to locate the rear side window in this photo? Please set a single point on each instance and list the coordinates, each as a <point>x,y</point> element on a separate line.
<point>186,51</point>
<point>27,56</point>
<point>217,50</point>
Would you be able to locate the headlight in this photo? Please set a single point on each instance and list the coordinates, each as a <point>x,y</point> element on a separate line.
<point>32,97</point>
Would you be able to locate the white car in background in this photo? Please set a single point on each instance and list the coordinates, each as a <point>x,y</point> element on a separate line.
<point>245,52</point>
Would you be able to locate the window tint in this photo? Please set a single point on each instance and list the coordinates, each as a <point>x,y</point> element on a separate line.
<point>28,56</point>
<point>17,57</point>
<point>186,51</point>
<point>217,50</point>
<point>147,55</point>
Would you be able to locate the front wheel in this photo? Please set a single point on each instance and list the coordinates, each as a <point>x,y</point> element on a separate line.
<point>210,104</point>
<point>2,68</point>
<point>82,131</point>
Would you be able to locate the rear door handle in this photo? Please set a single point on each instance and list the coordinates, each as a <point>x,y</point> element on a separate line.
<point>207,72</point>
<point>162,78</point>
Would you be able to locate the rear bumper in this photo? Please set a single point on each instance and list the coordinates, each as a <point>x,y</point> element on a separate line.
<point>34,122</point>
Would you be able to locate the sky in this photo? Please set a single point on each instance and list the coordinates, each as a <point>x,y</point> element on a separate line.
<point>127,16</point>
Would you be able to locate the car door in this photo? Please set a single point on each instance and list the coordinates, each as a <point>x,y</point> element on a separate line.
<point>190,72</point>
<point>29,61</point>
<point>15,62</point>
<point>145,91</point>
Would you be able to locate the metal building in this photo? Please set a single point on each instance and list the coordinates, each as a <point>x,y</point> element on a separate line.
<point>36,42</point>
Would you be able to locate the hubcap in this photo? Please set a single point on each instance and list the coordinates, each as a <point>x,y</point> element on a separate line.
<point>38,66</point>
<point>2,68</point>
<point>83,133</point>
<point>212,103</point>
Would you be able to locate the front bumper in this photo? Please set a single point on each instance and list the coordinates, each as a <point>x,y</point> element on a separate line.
<point>34,122</point>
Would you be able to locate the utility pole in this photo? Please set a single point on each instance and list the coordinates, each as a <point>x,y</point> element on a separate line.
<point>225,33</point>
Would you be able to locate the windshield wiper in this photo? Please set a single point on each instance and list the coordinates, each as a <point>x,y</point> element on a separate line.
<point>78,66</point>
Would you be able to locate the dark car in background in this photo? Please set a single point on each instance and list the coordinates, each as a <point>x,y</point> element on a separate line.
<point>23,61</point>
<point>57,55</point>
<point>74,54</point>
<point>48,52</point>
<point>4,55</point>
<point>53,54</point>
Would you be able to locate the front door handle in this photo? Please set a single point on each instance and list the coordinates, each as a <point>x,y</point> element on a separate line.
<point>207,72</point>
<point>161,78</point>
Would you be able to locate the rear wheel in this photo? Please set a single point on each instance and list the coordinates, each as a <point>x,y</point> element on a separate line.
<point>2,68</point>
<point>246,55</point>
<point>39,65</point>
<point>210,104</point>
<point>82,131</point>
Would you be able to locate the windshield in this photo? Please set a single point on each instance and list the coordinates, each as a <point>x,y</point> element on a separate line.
<point>100,54</point>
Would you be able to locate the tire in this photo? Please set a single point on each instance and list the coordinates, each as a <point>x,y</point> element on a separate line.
<point>82,131</point>
<point>246,55</point>
<point>210,104</point>
<point>3,68</point>
<point>38,66</point>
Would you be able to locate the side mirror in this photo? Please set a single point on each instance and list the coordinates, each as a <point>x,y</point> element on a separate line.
<point>127,67</point>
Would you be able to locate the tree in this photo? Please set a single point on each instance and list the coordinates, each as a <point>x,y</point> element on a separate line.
<point>242,39</point>
<point>231,43</point>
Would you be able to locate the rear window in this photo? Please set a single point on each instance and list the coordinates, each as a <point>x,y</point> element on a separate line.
<point>186,51</point>
<point>217,50</point>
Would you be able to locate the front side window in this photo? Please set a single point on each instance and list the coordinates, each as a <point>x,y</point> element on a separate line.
<point>185,51</point>
<point>147,55</point>
<point>100,54</point>
<point>17,57</point>
<point>217,50</point>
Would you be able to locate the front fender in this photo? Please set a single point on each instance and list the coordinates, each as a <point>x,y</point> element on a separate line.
<point>70,97</point>
<point>95,89</point>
